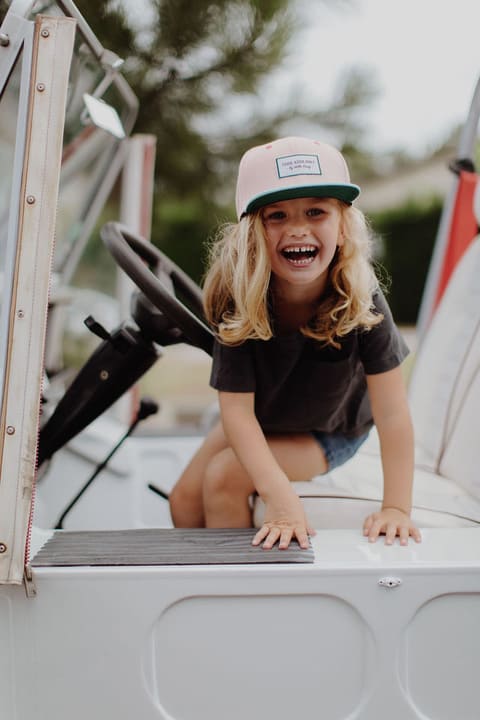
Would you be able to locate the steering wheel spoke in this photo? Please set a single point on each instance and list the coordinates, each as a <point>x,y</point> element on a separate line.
<point>159,279</point>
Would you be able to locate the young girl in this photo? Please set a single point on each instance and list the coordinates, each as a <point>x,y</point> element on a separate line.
<point>306,357</point>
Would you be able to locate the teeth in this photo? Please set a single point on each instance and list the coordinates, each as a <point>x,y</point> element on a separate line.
<point>299,249</point>
<point>300,254</point>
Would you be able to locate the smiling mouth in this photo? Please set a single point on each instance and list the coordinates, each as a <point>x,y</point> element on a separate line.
<point>300,255</point>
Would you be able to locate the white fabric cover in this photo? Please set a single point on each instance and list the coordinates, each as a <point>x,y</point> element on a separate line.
<point>445,390</point>
<point>343,498</point>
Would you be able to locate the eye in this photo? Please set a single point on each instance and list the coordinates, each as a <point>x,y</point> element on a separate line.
<point>274,215</point>
<point>315,212</point>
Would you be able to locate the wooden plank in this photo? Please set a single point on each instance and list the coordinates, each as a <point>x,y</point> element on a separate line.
<point>161,546</point>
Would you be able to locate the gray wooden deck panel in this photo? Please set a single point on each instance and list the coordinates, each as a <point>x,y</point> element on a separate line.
<point>161,546</point>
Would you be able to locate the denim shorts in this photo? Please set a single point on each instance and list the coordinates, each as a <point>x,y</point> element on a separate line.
<point>338,448</point>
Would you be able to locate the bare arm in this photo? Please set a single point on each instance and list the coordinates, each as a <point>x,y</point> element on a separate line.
<point>284,514</point>
<point>392,419</point>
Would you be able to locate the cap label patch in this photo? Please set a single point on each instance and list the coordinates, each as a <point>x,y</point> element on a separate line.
<point>298,165</point>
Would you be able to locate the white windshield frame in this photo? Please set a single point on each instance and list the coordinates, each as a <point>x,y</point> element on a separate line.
<point>53,40</point>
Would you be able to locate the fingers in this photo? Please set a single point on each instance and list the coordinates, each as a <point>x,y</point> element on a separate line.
<point>261,535</point>
<point>269,534</point>
<point>302,538</point>
<point>416,534</point>
<point>374,526</point>
<point>390,524</point>
<point>367,525</point>
<point>404,536</point>
<point>272,538</point>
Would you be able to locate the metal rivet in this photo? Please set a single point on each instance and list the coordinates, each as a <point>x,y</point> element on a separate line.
<point>20,314</point>
<point>3,548</point>
<point>30,199</point>
<point>104,375</point>
<point>10,430</point>
<point>45,33</point>
<point>40,87</point>
<point>4,40</point>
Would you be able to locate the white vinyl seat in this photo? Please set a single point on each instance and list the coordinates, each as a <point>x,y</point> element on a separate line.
<point>343,498</point>
<point>444,395</point>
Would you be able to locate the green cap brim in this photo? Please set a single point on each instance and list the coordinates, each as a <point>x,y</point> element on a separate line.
<point>346,193</point>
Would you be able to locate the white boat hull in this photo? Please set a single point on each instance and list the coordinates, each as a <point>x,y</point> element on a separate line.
<point>363,631</point>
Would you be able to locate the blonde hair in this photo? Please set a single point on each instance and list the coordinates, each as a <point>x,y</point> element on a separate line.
<point>236,287</point>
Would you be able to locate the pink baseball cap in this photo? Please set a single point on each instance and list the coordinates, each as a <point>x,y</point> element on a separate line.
<point>292,167</point>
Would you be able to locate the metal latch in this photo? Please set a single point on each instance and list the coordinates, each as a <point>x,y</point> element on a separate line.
<point>390,582</point>
<point>30,588</point>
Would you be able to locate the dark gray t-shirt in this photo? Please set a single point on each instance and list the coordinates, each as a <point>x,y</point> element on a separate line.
<point>301,386</point>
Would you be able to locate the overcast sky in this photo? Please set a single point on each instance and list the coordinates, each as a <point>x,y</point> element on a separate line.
<point>424,54</point>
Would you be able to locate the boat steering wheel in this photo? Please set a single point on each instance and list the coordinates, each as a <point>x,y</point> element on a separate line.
<point>159,279</point>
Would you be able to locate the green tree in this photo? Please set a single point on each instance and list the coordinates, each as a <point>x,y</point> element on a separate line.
<point>199,69</point>
<point>407,236</point>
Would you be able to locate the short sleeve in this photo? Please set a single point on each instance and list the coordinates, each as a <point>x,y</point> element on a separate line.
<point>382,348</point>
<point>233,368</point>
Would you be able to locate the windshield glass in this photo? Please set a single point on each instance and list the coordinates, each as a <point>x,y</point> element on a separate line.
<point>100,112</point>
<point>9,114</point>
<point>89,148</point>
<point>87,153</point>
<point>9,111</point>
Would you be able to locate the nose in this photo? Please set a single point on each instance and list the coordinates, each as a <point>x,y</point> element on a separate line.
<point>297,227</point>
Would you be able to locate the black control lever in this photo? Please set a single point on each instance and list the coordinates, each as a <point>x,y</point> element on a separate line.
<point>146,408</point>
<point>96,328</point>
<point>115,365</point>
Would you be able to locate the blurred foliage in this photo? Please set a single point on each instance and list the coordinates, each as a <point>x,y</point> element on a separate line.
<point>406,237</point>
<point>200,70</point>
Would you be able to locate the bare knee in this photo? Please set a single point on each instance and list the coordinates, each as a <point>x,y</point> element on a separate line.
<point>226,489</point>
<point>186,498</point>
<point>225,476</point>
<point>178,495</point>
<point>186,506</point>
<point>219,473</point>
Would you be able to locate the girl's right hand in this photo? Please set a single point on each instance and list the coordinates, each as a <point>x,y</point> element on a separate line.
<point>284,520</point>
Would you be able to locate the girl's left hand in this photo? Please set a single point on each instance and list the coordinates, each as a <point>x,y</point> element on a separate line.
<point>391,522</point>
